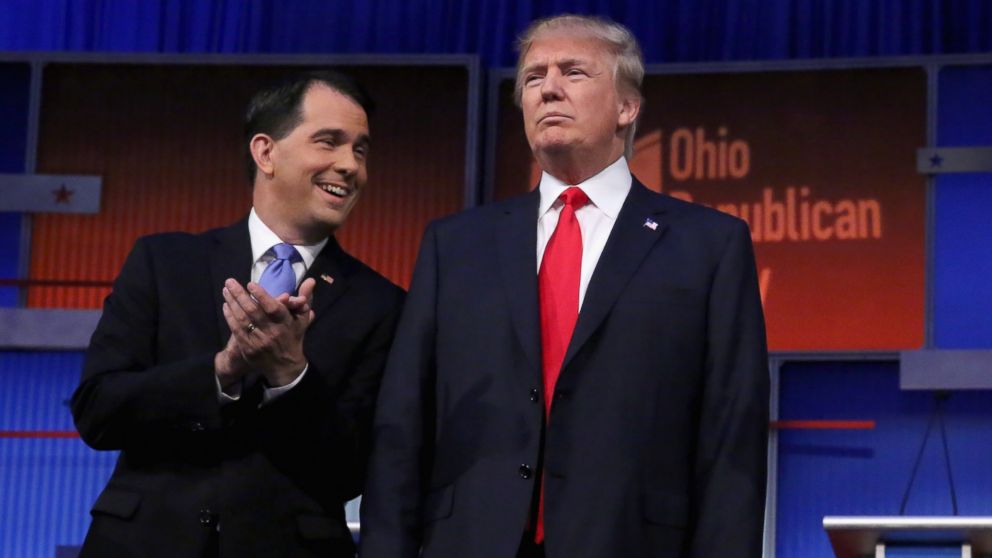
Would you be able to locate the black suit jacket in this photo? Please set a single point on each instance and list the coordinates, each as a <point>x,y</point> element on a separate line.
<point>656,443</point>
<point>273,476</point>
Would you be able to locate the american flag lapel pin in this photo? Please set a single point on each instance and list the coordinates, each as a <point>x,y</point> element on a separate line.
<point>651,224</point>
<point>327,278</point>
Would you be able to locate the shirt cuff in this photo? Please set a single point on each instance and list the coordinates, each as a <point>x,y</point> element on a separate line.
<point>268,394</point>
<point>223,397</point>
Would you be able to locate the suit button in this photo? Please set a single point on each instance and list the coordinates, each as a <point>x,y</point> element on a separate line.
<point>535,395</point>
<point>207,518</point>
<point>525,472</point>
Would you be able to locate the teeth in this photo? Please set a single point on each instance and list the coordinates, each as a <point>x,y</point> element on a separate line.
<point>336,190</point>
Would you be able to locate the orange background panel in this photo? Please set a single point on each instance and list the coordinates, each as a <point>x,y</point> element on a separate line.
<point>843,135</point>
<point>167,140</point>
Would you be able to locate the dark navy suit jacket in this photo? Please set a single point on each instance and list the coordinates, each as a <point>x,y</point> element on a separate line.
<point>656,442</point>
<point>274,477</point>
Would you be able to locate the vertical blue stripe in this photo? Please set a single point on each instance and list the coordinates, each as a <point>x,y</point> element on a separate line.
<point>864,472</point>
<point>963,229</point>
<point>46,485</point>
<point>15,82</point>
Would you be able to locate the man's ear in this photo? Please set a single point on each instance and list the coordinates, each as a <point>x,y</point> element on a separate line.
<point>262,146</point>
<point>630,107</point>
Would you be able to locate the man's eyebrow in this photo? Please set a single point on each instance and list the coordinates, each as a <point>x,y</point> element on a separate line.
<point>335,133</point>
<point>340,135</point>
<point>533,66</point>
<point>562,63</point>
<point>568,62</point>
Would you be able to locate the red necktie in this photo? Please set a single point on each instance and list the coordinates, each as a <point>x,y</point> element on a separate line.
<point>558,284</point>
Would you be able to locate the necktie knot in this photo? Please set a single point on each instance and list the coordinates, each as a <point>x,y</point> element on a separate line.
<point>574,197</point>
<point>283,251</point>
<point>279,277</point>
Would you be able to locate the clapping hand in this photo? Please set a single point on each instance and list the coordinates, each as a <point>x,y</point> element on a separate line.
<point>266,333</point>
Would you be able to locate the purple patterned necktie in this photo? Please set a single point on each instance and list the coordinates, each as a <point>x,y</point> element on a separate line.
<point>279,277</point>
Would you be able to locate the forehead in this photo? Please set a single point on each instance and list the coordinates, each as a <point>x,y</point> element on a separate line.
<point>554,47</point>
<point>323,106</point>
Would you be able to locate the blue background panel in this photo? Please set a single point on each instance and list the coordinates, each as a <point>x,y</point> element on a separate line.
<point>864,472</point>
<point>963,228</point>
<point>47,485</point>
<point>15,83</point>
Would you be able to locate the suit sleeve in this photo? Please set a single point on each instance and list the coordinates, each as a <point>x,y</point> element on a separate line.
<point>125,396</point>
<point>322,431</point>
<point>391,506</point>
<point>731,460</point>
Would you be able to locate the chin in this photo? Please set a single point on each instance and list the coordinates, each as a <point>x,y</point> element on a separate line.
<point>554,147</point>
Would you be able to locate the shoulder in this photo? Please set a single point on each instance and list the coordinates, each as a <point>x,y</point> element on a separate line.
<point>372,283</point>
<point>170,245</point>
<point>165,248</point>
<point>481,218</point>
<point>700,218</point>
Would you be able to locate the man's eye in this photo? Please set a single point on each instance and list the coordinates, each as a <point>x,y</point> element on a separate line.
<point>361,152</point>
<point>532,78</point>
<point>575,72</point>
<point>329,142</point>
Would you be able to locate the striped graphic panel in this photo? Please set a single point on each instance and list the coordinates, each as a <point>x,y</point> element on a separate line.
<point>963,253</point>
<point>167,142</point>
<point>48,480</point>
<point>866,471</point>
<point>14,86</point>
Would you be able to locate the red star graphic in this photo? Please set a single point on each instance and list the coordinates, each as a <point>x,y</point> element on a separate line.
<point>63,195</point>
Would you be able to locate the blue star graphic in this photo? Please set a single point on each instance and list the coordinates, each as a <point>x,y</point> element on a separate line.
<point>936,161</point>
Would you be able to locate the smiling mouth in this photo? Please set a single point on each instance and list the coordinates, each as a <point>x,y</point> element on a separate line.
<point>336,190</point>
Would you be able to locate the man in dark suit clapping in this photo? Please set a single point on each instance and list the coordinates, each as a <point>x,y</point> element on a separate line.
<point>236,370</point>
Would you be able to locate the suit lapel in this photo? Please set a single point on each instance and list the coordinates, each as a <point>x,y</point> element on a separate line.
<point>516,242</point>
<point>331,270</point>
<point>230,258</point>
<point>628,244</point>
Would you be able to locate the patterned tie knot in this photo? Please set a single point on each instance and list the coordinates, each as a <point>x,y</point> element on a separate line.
<point>285,251</point>
<point>574,197</point>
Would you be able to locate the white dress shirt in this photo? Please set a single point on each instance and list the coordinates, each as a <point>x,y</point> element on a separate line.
<point>607,192</point>
<point>262,241</point>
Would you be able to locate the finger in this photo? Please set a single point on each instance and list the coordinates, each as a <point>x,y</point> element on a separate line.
<point>246,301</point>
<point>299,308</point>
<point>236,326</point>
<point>242,341</point>
<point>237,312</point>
<point>232,341</point>
<point>306,288</point>
<point>270,306</point>
<point>297,305</point>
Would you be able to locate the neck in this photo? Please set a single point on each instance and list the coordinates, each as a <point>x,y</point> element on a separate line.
<point>288,233</point>
<point>573,167</point>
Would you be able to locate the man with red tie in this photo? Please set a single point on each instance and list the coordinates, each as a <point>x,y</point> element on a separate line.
<point>580,371</point>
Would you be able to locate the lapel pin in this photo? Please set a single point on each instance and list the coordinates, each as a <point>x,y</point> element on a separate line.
<point>327,278</point>
<point>651,224</point>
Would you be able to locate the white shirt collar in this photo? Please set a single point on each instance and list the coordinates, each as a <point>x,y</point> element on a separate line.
<point>606,190</point>
<point>262,238</point>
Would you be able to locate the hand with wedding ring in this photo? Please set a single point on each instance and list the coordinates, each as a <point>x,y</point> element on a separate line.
<point>266,333</point>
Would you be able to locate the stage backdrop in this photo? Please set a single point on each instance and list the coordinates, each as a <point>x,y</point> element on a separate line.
<point>821,165</point>
<point>167,140</point>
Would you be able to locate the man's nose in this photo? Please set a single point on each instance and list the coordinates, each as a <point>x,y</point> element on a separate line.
<point>345,162</point>
<point>551,86</point>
